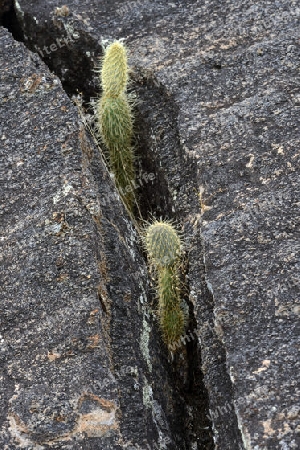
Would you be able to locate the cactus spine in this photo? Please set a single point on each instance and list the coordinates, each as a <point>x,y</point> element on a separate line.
<point>114,72</point>
<point>115,120</point>
<point>163,246</point>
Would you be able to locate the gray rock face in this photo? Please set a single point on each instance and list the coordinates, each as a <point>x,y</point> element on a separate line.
<point>76,352</point>
<point>219,127</point>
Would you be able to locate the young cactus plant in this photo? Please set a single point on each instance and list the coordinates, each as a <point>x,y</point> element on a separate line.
<point>114,72</point>
<point>115,122</point>
<point>163,247</point>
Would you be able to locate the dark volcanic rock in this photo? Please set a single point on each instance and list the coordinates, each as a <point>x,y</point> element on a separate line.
<point>219,125</point>
<point>77,370</point>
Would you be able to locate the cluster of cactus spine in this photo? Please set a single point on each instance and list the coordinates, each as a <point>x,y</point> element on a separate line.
<point>115,119</point>
<point>163,247</point>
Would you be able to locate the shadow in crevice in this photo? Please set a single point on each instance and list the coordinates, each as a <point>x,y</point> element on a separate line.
<point>8,19</point>
<point>159,152</point>
<point>157,149</point>
<point>71,56</point>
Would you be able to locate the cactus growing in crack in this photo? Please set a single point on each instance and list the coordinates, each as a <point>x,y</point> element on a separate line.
<point>115,121</point>
<point>163,246</point>
<point>114,72</point>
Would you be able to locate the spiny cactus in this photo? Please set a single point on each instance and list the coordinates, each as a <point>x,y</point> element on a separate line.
<point>162,243</point>
<point>171,316</point>
<point>171,323</point>
<point>116,131</point>
<point>163,247</point>
<point>114,73</point>
<point>115,120</point>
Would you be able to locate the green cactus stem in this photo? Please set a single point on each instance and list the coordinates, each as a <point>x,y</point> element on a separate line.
<point>115,122</point>
<point>114,72</point>
<point>162,243</point>
<point>163,247</point>
<point>172,324</point>
<point>116,131</point>
<point>171,316</point>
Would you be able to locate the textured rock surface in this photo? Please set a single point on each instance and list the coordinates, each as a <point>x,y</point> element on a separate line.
<point>219,125</point>
<point>77,370</point>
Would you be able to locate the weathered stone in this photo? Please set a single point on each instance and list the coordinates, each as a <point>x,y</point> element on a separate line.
<point>77,370</point>
<point>219,124</point>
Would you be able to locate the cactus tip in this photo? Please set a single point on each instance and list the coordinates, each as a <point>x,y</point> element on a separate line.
<point>163,243</point>
<point>114,72</point>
